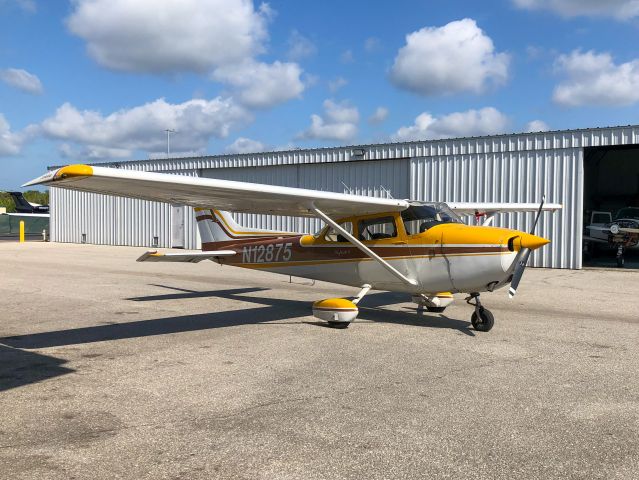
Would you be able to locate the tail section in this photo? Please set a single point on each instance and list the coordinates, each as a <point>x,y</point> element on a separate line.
<point>218,229</point>
<point>23,206</point>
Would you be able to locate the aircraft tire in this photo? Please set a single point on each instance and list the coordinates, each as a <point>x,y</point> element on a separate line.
<point>338,325</point>
<point>436,309</point>
<point>483,320</point>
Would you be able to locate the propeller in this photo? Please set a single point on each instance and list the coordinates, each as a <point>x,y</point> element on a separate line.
<point>524,254</point>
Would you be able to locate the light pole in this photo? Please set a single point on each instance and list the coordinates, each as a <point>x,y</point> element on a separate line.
<point>168,141</point>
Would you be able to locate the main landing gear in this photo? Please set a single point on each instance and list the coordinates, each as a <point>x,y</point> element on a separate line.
<point>482,319</point>
<point>339,312</point>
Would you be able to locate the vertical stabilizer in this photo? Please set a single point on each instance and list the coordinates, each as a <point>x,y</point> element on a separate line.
<point>218,228</point>
<point>23,206</point>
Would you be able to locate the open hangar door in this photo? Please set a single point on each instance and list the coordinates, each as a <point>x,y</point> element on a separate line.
<point>611,206</point>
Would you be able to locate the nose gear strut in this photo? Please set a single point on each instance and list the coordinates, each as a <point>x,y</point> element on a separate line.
<point>482,318</point>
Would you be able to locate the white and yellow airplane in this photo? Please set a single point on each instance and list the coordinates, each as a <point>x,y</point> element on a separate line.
<point>420,248</point>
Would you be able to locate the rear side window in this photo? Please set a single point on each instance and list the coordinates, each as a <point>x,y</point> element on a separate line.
<point>377,228</point>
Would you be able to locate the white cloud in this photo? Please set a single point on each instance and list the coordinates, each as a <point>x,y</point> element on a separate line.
<point>347,56</point>
<point>457,57</point>
<point>337,83</point>
<point>378,116</point>
<point>245,145</point>
<point>10,142</point>
<point>594,79</point>
<point>28,6</point>
<point>536,126</point>
<point>22,80</point>
<point>339,122</point>
<point>142,127</point>
<point>92,152</point>
<point>620,9</point>
<point>372,44</point>
<point>262,85</point>
<point>486,121</point>
<point>300,47</point>
<point>170,36</point>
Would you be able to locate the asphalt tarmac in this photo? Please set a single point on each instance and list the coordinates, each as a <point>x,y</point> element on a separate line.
<point>115,369</point>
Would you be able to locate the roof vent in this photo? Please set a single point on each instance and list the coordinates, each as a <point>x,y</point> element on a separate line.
<point>358,154</point>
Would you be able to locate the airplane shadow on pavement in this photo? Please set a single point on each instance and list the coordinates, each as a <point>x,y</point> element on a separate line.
<point>270,310</point>
<point>20,367</point>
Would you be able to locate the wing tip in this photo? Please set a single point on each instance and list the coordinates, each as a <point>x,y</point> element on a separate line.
<point>148,254</point>
<point>68,171</point>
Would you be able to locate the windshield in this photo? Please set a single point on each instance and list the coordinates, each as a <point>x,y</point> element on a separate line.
<point>420,217</point>
<point>628,212</point>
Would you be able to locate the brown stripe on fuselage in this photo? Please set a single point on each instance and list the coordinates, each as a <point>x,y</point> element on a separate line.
<point>240,242</point>
<point>342,252</point>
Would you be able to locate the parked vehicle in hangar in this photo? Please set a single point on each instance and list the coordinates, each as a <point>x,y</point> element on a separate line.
<point>621,233</point>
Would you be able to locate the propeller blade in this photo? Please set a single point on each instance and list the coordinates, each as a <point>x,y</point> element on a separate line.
<point>541,205</point>
<point>518,273</point>
<point>525,254</point>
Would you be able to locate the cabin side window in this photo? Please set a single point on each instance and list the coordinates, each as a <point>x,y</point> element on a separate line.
<point>377,228</point>
<point>333,236</point>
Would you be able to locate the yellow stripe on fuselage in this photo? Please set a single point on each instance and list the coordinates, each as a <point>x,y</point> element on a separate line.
<point>220,217</point>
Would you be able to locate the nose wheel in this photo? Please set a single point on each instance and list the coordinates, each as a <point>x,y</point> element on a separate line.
<point>482,319</point>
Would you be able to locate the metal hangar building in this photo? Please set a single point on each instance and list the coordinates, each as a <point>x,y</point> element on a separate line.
<point>585,170</point>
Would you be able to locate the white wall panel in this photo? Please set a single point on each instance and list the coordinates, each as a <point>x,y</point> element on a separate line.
<point>514,177</point>
<point>108,220</point>
<point>372,178</point>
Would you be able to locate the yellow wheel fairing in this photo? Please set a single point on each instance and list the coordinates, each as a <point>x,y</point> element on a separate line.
<point>335,310</point>
<point>335,304</point>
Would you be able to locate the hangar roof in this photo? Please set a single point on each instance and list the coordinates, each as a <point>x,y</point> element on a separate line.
<point>513,142</point>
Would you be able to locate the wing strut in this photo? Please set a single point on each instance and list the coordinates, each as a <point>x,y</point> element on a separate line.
<point>363,247</point>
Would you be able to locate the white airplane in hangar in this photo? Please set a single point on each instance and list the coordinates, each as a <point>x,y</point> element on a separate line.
<point>420,248</point>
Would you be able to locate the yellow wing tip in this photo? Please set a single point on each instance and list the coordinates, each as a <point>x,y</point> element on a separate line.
<point>77,170</point>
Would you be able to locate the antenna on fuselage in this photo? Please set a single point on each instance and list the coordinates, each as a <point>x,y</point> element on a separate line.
<point>387,191</point>
<point>350,191</point>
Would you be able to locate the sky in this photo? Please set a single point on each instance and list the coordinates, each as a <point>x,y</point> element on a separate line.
<point>102,80</point>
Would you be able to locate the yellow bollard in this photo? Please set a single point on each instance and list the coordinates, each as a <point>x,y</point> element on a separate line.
<point>21,231</point>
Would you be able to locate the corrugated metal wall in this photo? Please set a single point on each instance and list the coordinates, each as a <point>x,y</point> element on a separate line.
<point>517,167</point>
<point>373,178</point>
<point>521,177</point>
<point>78,217</point>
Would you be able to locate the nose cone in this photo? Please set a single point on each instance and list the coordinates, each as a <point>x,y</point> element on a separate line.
<point>532,242</point>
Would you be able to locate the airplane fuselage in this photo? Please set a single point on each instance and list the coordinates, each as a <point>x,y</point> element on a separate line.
<point>449,257</point>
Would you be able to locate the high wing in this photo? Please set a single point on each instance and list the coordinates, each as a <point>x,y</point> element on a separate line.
<point>188,257</point>
<point>462,208</point>
<point>607,229</point>
<point>214,193</point>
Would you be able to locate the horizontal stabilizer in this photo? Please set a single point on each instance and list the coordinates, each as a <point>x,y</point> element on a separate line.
<point>192,257</point>
<point>471,208</point>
